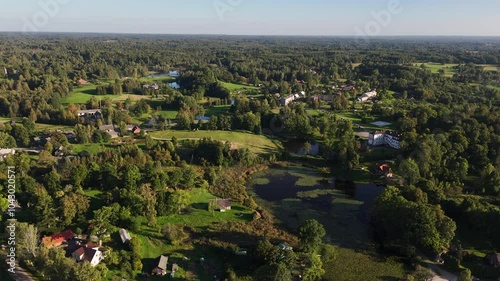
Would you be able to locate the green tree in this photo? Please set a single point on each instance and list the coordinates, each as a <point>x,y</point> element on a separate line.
<point>21,135</point>
<point>273,272</point>
<point>409,170</point>
<point>131,176</point>
<point>465,275</point>
<point>311,233</point>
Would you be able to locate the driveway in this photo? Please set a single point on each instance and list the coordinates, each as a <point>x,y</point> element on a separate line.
<point>441,274</point>
<point>21,274</point>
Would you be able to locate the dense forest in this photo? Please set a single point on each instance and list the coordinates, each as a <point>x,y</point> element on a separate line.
<point>442,96</point>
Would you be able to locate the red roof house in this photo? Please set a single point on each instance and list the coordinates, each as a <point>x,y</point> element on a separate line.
<point>57,239</point>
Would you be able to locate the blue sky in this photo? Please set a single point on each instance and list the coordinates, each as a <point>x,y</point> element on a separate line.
<point>255,17</point>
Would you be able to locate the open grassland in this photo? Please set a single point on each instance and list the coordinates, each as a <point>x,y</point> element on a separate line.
<point>217,110</point>
<point>435,67</point>
<point>255,143</point>
<point>239,87</point>
<point>91,148</point>
<point>83,94</point>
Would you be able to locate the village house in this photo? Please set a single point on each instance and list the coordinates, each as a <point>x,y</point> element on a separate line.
<point>58,239</point>
<point>221,205</point>
<point>90,114</point>
<point>290,98</point>
<point>323,98</point>
<point>154,86</point>
<point>110,129</point>
<point>88,252</point>
<point>366,96</point>
<point>160,266</point>
<point>383,169</point>
<point>81,81</point>
<point>134,129</point>
<point>125,236</point>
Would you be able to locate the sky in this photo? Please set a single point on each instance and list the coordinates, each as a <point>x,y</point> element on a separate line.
<point>255,17</point>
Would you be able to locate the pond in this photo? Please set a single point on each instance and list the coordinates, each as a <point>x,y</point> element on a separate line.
<point>282,189</point>
<point>174,85</point>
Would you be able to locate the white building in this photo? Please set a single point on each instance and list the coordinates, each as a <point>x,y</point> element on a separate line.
<point>88,253</point>
<point>366,96</point>
<point>93,113</point>
<point>392,139</point>
<point>388,138</point>
<point>290,98</point>
<point>376,138</point>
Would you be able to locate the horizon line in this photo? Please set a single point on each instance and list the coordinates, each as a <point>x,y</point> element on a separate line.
<point>245,35</point>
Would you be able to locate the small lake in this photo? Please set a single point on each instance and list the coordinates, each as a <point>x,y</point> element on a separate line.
<point>312,189</point>
<point>174,85</point>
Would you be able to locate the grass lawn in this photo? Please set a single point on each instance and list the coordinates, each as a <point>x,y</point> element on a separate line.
<point>255,143</point>
<point>239,87</point>
<point>158,79</point>
<point>313,112</point>
<point>83,94</point>
<point>435,67</point>
<point>217,110</point>
<point>91,148</point>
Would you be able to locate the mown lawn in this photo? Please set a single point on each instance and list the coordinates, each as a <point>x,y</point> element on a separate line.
<point>83,94</point>
<point>239,87</point>
<point>217,110</point>
<point>91,148</point>
<point>255,143</point>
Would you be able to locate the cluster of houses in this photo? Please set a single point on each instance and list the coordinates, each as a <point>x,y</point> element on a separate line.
<point>160,265</point>
<point>388,138</point>
<point>293,97</point>
<point>76,248</point>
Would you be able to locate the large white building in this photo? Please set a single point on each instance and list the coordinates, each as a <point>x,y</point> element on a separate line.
<point>366,96</point>
<point>388,138</point>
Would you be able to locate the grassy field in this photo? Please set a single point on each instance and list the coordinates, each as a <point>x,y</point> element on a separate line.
<point>357,258</point>
<point>435,67</point>
<point>217,110</point>
<point>198,217</point>
<point>83,94</point>
<point>91,148</point>
<point>238,87</point>
<point>255,143</point>
<point>491,67</point>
